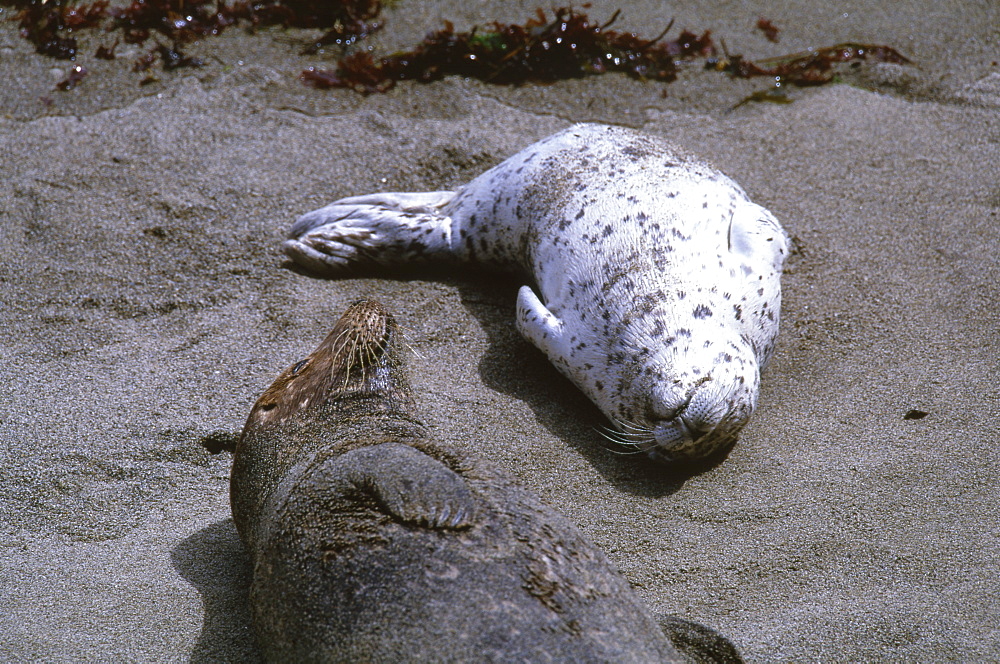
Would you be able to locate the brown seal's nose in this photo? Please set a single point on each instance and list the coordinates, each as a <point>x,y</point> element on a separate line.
<point>347,359</point>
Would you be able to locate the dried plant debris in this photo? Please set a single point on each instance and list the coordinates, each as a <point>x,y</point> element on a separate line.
<point>769,29</point>
<point>814,67</point>
<point>51,25</point>
<point>571,45</point>
<point>542,50</point>
<point>76,74</point>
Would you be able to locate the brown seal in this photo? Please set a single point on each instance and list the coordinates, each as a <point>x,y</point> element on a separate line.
<point>371,541</point>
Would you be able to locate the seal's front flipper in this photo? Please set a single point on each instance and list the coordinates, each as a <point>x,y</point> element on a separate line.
<point>388,229</point>
<point>409,485</point>
<point>540,326</point>
<point>699,644</point>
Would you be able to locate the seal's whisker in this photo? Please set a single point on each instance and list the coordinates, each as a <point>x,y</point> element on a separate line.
<point>338,344</point>
<point>623,424</point>
<point>630,437</point>
<point>622,439</point>
<point>625,453</point>
<point>404,333</point>
<point>337,348</point>
<point>349,364</point>
<point>632,428</point>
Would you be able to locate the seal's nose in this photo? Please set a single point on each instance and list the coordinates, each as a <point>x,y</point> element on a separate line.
<point>668,402</point>
<point>693,431</point>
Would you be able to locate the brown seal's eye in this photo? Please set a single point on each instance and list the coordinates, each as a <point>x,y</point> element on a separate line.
<point>298,367</point>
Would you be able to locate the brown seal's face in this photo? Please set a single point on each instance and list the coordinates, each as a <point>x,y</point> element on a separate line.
<point>357,359</point>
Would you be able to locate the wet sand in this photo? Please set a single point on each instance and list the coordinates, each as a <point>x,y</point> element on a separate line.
<point>144,304</point>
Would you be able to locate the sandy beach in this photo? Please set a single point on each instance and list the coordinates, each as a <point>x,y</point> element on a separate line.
<point>145,304</point>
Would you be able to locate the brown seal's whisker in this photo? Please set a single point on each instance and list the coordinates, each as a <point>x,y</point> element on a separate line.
<point>404,332</point>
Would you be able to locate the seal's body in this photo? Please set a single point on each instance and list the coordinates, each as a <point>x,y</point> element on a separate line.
<point>657,278</point>
<point>372,542</point>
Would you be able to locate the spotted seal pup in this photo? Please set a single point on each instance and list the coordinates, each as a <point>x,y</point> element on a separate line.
<point>373,542</point>
<point>657,278</point>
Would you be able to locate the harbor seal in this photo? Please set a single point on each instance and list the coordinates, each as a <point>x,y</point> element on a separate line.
<point>658,280</point>
<point>372,541</point>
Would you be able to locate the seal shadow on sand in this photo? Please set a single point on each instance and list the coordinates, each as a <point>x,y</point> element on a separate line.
<point>214,561</point>
<point>557,404</point>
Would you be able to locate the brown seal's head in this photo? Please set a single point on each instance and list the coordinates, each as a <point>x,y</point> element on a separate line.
<point>357,364</point>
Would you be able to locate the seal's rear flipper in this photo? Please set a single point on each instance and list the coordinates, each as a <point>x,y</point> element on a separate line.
<point>389,229</point>
<point>699,644</point>
<point>406,483</point>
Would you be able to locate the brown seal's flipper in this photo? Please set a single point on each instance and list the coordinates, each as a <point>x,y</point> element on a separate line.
<point>407,484</point>
<point>699,644</point>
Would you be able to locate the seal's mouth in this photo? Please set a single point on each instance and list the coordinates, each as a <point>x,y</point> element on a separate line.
<point>685,440</point>
<point>689,425</point>
<point>356,358</point>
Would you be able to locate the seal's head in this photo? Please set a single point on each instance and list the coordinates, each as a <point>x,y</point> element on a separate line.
<point>691,410</point>
<point>357,363</point>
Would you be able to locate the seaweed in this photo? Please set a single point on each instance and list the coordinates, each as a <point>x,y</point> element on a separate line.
<point>571,45</point>
<point>50,24</point>
<point>177,20</point>
<point>540,51</point>
<point>46,24</point>
<point>769,29</point>
<point>773,95</point>
<point>814,67</point>
<point>171,57</point>
<point>76,74</point>
<point>348,22</point>
<point>105,53</point>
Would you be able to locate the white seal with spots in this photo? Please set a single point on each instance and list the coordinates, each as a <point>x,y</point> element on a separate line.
<point>656,279</point>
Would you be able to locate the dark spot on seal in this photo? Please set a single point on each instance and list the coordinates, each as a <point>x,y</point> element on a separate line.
<point>701,311</point>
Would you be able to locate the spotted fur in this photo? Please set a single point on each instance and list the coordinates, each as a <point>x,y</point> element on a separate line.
<point>656,279</point>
